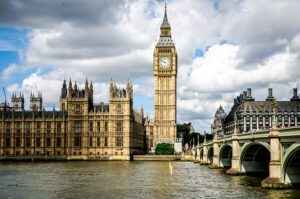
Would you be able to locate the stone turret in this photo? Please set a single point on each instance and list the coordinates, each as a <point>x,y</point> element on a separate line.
<point>36,101</point>
<point>116,92</point>
<point>77,97</point>
<point>70,89</point>
<point>64,90</point>
<point>17,102</point>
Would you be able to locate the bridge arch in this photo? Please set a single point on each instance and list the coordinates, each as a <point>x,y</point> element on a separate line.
<point>225,155</point>
<point>291,164</point>
<point>255,158</point>
<point>210,155</point>
<point>201,154</point>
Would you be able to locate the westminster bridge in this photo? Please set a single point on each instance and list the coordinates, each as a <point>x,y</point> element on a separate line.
<point>274,152</point>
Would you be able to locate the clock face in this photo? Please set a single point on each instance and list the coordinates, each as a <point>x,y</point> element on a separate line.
<point>164,62</point>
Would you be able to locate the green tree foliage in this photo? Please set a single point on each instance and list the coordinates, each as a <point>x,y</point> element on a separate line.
<point>164,149</point>
<point>184,132</point>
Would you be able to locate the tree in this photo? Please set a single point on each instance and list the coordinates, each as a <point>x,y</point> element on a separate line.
<point>164,149</point>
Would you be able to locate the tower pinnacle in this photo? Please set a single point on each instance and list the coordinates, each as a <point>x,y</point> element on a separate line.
<point>165,23</point>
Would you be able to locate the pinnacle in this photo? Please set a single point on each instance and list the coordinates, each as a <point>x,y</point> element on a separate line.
<point>165,23</point>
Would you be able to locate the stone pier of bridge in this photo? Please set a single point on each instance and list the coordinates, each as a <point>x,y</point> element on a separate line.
<point>274,153</point>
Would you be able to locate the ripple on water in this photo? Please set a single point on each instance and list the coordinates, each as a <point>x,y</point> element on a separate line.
<point>127,180</point>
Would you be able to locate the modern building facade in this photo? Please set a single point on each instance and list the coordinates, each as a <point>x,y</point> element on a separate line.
<point>249,115</point>
<point>79,130</point>
<point>165,78</point>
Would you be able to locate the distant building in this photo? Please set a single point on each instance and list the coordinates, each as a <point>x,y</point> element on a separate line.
<point>80,130</point>
<point>254,115</point>
<point>218,126</point>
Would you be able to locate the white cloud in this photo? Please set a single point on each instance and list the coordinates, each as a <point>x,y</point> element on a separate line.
<point>245,44</point>
<point>10,70</point>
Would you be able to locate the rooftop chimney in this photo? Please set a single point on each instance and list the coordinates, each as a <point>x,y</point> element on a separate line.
<point>248,95</point>
<point>244,94</point>
<point>270,92</point>
<point>270,95</point>
<point>235,101</point>
<point>295,96</point>
<point>248,92</point>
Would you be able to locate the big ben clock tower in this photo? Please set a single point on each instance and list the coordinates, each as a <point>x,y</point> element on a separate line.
<point>165,77</point>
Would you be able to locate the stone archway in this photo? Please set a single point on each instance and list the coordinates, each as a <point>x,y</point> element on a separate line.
<point>291,165</point>
<point>210,155</point>
<point>225,156</point>
<point>201,154</point>
<point>255,159</point>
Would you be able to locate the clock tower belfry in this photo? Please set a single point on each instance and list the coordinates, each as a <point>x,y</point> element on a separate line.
<point>165,78</point>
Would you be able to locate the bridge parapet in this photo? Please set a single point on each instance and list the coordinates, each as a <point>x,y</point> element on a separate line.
<point>234,151</point>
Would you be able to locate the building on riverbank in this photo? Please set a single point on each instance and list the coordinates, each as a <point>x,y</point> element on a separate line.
<point>79,130</point>
<point>163,127</point>
<point>254,115</point>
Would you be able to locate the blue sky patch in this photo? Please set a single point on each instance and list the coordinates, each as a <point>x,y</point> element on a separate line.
<point>12,39</point>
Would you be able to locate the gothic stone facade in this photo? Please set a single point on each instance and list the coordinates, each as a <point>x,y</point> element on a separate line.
<point>80,130</point>
<point>163,128</point>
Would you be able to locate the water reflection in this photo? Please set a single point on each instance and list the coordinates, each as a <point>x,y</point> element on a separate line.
<point>127,180</point>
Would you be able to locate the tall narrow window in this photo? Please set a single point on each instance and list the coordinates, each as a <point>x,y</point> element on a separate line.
<point>58,142</point>
<point>48,128</point>
<point>91,126</point>
<point>77,127</point>
<point>7,142</point>
<point>105,126</point>
<point>78,134</point>
<point>18,142</point>
<point>105,141</point>
<point>38,128</point>
<point>58,127</point>
<point>18,129</point>
<point>91,141</point>
<point>267,119</point>
<point>48,142</point>
<point>98,141</point>
<point>119,141</point>
<point>253,119</point>
<point>292,118</point>
<point>98,126</point>
<point>286,118</point>
<point>27,131</point>
<point>77,108</point>
<point>38,142</point>
<point>119,127</point>
<point>279,118</point>
<point>77,141</point>
<point>27,142</point>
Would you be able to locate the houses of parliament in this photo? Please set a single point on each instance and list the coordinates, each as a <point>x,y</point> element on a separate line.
<point>82,129</point>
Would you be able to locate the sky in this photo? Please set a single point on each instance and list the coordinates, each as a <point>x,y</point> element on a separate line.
<point>224,47</point>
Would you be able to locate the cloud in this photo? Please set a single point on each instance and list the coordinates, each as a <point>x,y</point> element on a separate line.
<point>10,70</point>
<point>244,44</point>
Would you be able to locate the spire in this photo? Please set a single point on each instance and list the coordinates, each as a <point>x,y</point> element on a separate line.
<point>75,87</point>
<point>86,83</point>
<point>70,84</point>
<point>91,85</point>
<point>165,23</point>
<point>64,84</point>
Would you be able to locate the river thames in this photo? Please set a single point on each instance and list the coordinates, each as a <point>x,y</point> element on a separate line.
<point>114,179</point>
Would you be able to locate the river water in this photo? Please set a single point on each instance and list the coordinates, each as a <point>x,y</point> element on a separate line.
<point>114,179</point>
